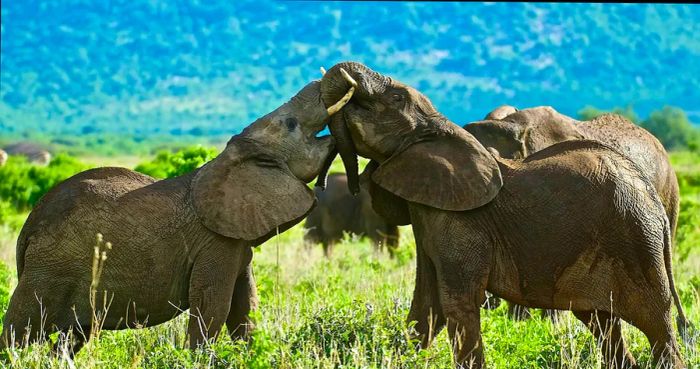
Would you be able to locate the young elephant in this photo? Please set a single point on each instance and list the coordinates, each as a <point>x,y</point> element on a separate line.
<point>338,211</point>
<point>573,227</point>
<point>179,243</point>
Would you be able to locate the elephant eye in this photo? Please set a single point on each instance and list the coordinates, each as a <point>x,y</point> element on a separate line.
<point>397,98</point>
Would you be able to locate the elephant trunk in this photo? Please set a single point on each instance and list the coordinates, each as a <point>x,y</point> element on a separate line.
<point>322,180</point>
<point>333,85</point>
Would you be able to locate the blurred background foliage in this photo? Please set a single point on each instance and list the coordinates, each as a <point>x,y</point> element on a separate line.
<point>148,70</point>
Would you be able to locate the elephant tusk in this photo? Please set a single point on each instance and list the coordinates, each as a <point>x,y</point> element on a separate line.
<point>348,78</point>
<point>323,71</point>
<point>348,95</point>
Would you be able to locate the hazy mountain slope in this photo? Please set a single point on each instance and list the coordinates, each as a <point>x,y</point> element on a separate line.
<point>161,66</point>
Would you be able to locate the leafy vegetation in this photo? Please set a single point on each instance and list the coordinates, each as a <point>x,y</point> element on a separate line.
<point>22,184</point>
<point>168,164</point>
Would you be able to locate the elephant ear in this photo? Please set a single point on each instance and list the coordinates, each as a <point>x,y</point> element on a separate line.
<point>452,172</point>
<point>245,193</point>
<point>389,206</point>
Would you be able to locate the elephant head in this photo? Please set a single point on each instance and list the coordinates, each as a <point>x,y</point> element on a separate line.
<point>420,155</point>
<point>258,183</point>
<point>523,132</point>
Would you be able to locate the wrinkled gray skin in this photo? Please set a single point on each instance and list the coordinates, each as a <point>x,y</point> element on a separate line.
<point>517,134</point>
<point>482,222</point>
<point>339,211</point>
<point>178,243</point>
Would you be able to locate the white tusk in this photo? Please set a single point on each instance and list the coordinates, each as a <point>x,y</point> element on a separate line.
<point>323,71</point>
<point>344,100</point>
<point>348,78</point>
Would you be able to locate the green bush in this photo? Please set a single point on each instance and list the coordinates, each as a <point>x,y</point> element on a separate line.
<point>672,127</point>
<point>22,184</point>
<point>4,290</point>
<point>168,164</point>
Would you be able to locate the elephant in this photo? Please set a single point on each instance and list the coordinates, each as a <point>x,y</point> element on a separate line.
<point>33,152</point>
<point>179,243</point>
<point>575,226</point>
<point>3,157</point>
<point>338,211</point>
<point>517,134</point>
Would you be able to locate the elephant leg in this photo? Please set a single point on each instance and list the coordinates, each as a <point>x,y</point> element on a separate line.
<point>518,312</point>
<point>26,319</point>
<point>391,240</point>
<point>662,339</point>
<point>212,283</point>
<point>328,248</point>
<point>462,311</point>
<point>425,306</point>
<point>244,300</point>
<point>462,276</point>
<point>607,331</point>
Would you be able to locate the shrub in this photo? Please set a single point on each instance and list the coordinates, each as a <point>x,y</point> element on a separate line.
<point>22,184</point>
<point>168,164</point>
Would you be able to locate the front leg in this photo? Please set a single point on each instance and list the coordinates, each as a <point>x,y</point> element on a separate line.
<point>244,300</point>
<point>212,284</point>
<point>426,310</point>
<point>462,272</point>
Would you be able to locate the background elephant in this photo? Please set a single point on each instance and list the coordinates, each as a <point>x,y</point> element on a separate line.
<point>180,243</point>
<point>33,152</point>
<point>339,211</point>
<point>575,226</point>
<point>3,157</point>
<point>518,134</point>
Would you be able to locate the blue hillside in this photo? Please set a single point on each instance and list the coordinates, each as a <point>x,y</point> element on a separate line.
<point>150,67</point>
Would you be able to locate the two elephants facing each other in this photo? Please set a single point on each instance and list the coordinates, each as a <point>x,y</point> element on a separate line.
<point>338,211</point>
<point>179,243</point>
<point>575,226</point>
<point>516,134</point>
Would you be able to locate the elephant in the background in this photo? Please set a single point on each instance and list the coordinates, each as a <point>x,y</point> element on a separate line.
<point>3,157</point>
<point>517,134</point>
<point>179,243</point>
<point>33,152</point>
<point>576,226</point>
<point>338,211</point>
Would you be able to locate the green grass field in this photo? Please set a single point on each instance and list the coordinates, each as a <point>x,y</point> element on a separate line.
<point>349,312</point>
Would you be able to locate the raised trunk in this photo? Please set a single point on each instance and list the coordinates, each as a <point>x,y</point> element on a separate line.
<point>346,149</point>
<point>333,87</point>
<point>322,180</point>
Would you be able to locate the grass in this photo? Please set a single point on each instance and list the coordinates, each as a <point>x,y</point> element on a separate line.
<point>349,312</point>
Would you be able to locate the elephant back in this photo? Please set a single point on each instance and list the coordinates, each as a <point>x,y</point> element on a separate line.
<point>86,190</point>
<point>638,145</point>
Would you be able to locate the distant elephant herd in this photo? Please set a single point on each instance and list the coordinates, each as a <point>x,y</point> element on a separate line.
<point>530,205</point>
<point>31,152</point>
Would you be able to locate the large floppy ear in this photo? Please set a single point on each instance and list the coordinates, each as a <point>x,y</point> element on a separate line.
<point>246,193</point>
<point>389,206</point>
<point>451,172</point>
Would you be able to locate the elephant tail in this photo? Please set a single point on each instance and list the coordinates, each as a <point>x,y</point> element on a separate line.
<point>681,320</point>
